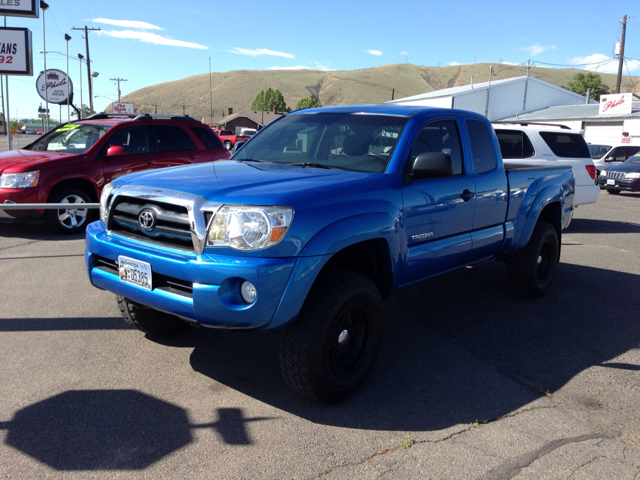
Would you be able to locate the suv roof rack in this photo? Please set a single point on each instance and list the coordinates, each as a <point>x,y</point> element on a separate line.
<point>170,116</point>
<point>105,115</point>
<point>140,116</point>
<point>526,124</point>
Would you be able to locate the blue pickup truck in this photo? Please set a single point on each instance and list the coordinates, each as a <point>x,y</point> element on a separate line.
<point>316,220</point>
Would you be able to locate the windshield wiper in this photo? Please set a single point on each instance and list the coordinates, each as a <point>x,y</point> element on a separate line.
<point>251,160</point>
<point>312,164</point>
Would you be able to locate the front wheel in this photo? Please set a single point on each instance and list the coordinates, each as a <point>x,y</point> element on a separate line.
<point>530,272</point>
<point>327,352</point>
<point>148,320</point>
<point>228,145</point>
<point>613,191</point>
<point>73,219</point>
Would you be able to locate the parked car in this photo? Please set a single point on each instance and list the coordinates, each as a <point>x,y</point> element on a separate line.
<point>311,240</point>
<point>544,145</point>
<point>39,131</point>
<point>72,163</point>
<point>29,131</point>
<point>624,177</point>
<point>229,138</point>
<point>604,156</point>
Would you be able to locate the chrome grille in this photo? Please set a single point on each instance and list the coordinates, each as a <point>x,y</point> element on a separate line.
<point>163,217</point>
<point>615,174</point>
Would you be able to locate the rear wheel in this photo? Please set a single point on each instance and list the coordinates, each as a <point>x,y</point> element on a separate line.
<point>530,272</point>
<point>327,352</point>
<point>148,320</point>
<point>73,219</point>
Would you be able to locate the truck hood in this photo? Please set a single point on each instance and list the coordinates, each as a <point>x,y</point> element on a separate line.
<point>242,182</point>
<point>24,160</point>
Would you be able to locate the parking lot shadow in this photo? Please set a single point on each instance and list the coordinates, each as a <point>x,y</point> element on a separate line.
<point>111,429</point>
<point>456,349</point>
<point>61,324</point>
<point>590,225</point>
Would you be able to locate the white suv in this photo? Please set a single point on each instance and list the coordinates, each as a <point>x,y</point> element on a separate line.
<point>529,144</point>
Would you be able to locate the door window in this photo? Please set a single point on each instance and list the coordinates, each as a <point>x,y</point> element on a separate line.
<point>133,139</point>
<point>170,138</point>
<point>441,136</point>
<point>514,144</point>
<point>207,137</point>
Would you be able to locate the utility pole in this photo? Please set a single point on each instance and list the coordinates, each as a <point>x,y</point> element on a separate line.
<point>118,80</point>
<point>624,30</point>
<point>86,38</point>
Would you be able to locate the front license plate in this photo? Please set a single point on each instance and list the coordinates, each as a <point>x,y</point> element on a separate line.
<point>611,181</point>
<point>135,271</point>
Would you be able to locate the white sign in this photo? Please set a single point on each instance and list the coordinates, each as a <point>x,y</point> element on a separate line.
<point>43,115</point>
<point>15,51</point>
<point>20,8</point>
<point>54,86</point>
<point>615,104</point>
<point>123,108</point>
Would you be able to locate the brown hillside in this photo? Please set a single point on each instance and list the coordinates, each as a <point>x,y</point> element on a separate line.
<point>237,89</point>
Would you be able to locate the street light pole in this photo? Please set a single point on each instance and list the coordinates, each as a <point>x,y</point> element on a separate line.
<point>67,38</point>
<point>80,57</point>
<point>44,6</point>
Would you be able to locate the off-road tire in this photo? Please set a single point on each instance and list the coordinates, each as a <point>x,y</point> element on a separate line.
<point>72,220</point>
<point>317,358</point>
<point>530,272</point>
<point>148,320</point>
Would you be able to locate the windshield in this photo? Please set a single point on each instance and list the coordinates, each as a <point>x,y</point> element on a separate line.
<point>71,138</point>
<point>634,159</point>
<point>356,142</point>
<point>598,151</point>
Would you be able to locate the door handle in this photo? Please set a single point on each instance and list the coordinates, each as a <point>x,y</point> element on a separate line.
<point>467,195</point>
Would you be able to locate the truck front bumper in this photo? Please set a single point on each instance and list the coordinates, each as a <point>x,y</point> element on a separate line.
<point>201,288</point>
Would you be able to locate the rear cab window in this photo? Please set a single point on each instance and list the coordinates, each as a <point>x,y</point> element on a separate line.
<point>484,155</point>
<point>566,145</point>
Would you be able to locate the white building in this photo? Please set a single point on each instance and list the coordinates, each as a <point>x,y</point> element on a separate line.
<point>606,129</point>
<point>500,98</point>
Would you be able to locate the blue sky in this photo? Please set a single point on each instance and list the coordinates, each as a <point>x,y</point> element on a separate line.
<point>148,42</point>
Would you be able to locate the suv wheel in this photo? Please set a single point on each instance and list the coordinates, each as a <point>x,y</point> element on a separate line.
<point>70,220</point>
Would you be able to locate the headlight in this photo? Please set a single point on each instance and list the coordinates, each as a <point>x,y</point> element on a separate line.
<point>105,198</point>
<point>19,180</point>
<point>248,227</point>
<point>603,173</point>
<point>632,175</point>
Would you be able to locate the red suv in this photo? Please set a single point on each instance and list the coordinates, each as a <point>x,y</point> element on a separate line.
<point>72,163</point>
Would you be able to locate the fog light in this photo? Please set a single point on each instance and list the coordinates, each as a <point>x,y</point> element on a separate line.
<point>248,292</point>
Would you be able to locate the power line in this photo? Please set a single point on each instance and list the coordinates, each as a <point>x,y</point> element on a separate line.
<point>118,80</point>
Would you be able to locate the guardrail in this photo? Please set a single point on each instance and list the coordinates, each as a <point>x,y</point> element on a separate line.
<point>47,206</point>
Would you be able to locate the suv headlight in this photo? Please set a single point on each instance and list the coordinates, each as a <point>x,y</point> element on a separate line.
<point>19,180</point>
<point>105,198</point>
<point>632,175</point>
<point>248,227</point>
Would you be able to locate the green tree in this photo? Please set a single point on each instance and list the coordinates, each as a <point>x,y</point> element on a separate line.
<point>308,102</point>
<point>582,81</point>
<point>85,112</point>
<point>267,99</point>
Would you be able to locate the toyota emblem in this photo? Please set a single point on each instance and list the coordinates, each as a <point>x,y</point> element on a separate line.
<point>147,219</point>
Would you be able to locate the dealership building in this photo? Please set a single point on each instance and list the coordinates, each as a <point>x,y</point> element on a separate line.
<point>529,99</point>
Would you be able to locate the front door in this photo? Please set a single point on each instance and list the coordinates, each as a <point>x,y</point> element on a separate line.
<point>438,212</point>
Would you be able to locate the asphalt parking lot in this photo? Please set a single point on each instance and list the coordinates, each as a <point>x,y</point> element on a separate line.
<point>470,383</point>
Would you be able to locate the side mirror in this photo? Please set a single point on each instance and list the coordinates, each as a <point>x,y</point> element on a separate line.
<point>116,151</point>
<point>432,165</point>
